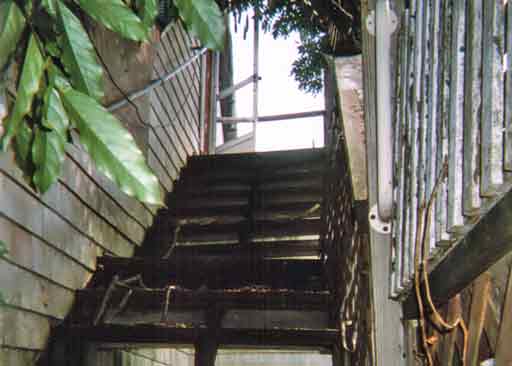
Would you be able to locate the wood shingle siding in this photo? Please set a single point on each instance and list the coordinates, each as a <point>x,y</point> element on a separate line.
<point>54,239</point>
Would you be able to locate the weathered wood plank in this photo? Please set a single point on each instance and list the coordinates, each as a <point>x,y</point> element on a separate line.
<point>455,220</point>
<point>195,272</point>
<point>447,348</point>
<point>492,98</point>
<point>488,241</point>
<point>481,288</point>
<point>503,349</point>
<point>227,337</point>
<point>37,256</point>
<point>24,330</point>
<point>18,357</point>
<point>508,90</point>
<point>472,105</point>
<point>24,290</point>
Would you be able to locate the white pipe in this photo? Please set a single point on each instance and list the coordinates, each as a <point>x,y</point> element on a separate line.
<point>386,23</point>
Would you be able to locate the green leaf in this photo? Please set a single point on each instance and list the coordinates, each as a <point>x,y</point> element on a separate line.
<point>111,147</point>
<point>54,114</point>
<point>23,147</point>
<point>78,55</point>
<point>48,153</point>
<point>3,249</point>
<point>148,10</point>
<point>116,16</point>
<point>51,7</point>
<point>12,24</point>
<point>29,84</point>
<point>203,18</point>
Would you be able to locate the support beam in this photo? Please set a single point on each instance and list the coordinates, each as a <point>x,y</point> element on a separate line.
<point>488,242</point>
<point>146,333</point>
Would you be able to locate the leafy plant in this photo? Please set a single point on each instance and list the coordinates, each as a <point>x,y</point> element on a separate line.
<point>60,84</point>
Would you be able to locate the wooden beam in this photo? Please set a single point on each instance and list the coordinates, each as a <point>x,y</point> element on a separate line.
<point>503,348</point>
<point>228,272</point>
<point>488,242</point>
<point>447,349</point>
<point>477,316</point>
<point>150,333</point>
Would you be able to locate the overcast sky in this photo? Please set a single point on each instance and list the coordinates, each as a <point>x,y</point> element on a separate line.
<point>278,94</point>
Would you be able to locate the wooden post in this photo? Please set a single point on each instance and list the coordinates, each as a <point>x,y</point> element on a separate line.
<point>477,316</point>
<point>503,349</point>
<point>206,351</point>
<point>337,355</point>
<point>447,348</point>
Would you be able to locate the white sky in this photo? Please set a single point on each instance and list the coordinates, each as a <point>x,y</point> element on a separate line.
<point>278,93</point>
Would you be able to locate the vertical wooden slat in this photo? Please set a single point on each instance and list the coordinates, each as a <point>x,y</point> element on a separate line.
<point>434,106</point>
<point>492,99</point>
<point>447,348</point>
<point>477,316</point>
<point>442,235</point>
<point>508,90</point>
<point>503,347</point>
<point>416,67</point>
<point>400,147</point>
<point>472,103</point>
<point>456,122</point>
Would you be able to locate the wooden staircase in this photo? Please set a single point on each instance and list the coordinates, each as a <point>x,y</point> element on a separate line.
<point>234,260</point>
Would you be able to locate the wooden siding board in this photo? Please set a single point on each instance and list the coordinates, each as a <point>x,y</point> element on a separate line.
<point>492,98</point>
<point>23,329</point>
<point>25,290</point>
<point>455,219</point>
<point>472,108</point>
<point>28,252</point>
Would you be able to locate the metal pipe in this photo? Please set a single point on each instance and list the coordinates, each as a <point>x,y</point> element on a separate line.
<point>227,92</point>
<point>154,83</point>
<point>386,23</point>
<point>256,71</point>
<point>277,117</point>
<point>212,126</point>
<point>202,103</point>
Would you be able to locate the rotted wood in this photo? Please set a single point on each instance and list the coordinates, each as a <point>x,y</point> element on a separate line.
<point>503,348</point>
<point>477,316</point>
<point>154,300</point>
<point>228,272</point>
<point>151,333</point>
<point>488,241</point>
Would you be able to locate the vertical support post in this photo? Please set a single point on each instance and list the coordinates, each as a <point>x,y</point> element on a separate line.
<point>212,127</point>
<point>206,352</point>
<point>202,101</point>
<point>256,72</point>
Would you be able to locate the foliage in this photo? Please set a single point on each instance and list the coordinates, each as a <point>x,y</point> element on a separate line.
<point>60,84</point>
<point>324,26</point>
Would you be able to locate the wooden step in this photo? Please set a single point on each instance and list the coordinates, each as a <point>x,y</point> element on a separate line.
<point>273,249</point>
<point>235,213</point>
<point>250,161</point>
<point>220,273</point>
<point>131,335</point>
<point>88,301</point>
<point>236,232</point>
<point>196,199</point>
